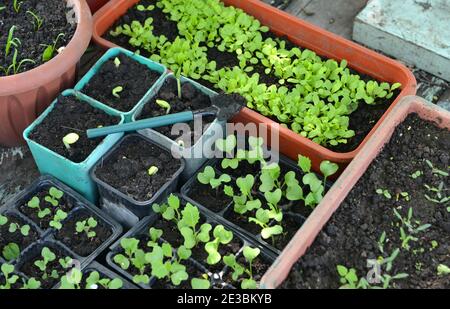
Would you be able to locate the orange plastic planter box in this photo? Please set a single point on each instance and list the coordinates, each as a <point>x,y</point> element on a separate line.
<point>95,5</point>
<point>26,95</point>
<point>305,35</point>
<point>342,187</point>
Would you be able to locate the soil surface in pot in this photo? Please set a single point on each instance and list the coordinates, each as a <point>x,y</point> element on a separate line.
<point>213,199</point>
<point>135,79</point>
<point>259,268</point>
<point>86,275</point>
<point>127,168</point>
<point>32,271</point>
<point>192,99</point>
<point>33,41</point>
<point>80,243</point>
<point>193,272</point>
<point>22,241</point>
<point>361,121</point>
<point>353,234</point>
<point>65,204</point>
<point>70,115</point>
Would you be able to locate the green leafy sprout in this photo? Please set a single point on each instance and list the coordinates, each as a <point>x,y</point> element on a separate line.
<point>87,227</point>
<point>48,257</point>
<point>250,254</point>
<point>37,21</point>
<point>73,280</point>
<point>208,177</point>
<point>221,236</point>
<point>16,5</point>
<point>116,91</point>
<point>14,226</point>
<point>164,104</point>
<point>50,49</point>
<point>11,251</point>
<point>70,139</point>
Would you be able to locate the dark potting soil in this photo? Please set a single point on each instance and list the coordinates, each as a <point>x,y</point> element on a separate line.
<point>351,236</point>
<point>259,268</point>
<point>192,99</point>
<point>54,15</point>
<point>135,79</point>
<point>65,205</point>
<point>213,199</point>
<point>242,220</point>
<point>22,241</point>
<point>171,234</point>
<point>127,168</point>
<point>70,115</point>
<point>201,256</point>
<point>290,224</point>
<point>79,242</point>
<point>32,271</point>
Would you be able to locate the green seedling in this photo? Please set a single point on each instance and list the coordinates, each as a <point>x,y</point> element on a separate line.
<point>11,251</point>
<point>435,170</point>
<point>152,170</point>
<point>404,195</point>
<point>384,192</point>
<point>133,257</point>
<point>227,146</point>
<point>164,104</point>
<point>200,283</point>
<point>37,21</point>
<point>315,185</point>
<point>143,8</point>
<point>49,50</point>
<point>14,227</point>
<point>34,203</point>
<point>155,235</point>
<point>2,8</point>
<point>57,219</point>
<point>245,202</point>
<point>9,278</point>
<point>438,192</point>
<point>164,267</point>
<point>16,65</point>
<point>250,254</point>
<point>443,270</point>
<point>54,196</point>
<point>73,280</point>
<point>48,257</point>
<point>170,210</point>
<point>416,174</point>
<point>221,237</point>
<point>381,242</point>
<point>116,91</point>
<point>188,227</point>
<point>328,169</point>
<point>117,62</point>
<point>208,177</point>
<point>11,41</point>
<point>31,284</point>
<point>87,227</point>
<point>70,139</point>
<point>16,5</point>
<point>409,228</point>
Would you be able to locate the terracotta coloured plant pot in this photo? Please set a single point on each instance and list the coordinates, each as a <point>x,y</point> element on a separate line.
<point>95,5</point>
<point>342,187</point>
<point>26,95</point>
<point>305,35</point>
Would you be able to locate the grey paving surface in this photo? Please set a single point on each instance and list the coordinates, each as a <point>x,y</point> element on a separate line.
<point>17,168</point>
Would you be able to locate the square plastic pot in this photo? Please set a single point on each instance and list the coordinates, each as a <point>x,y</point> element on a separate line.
<point>142,228</point>
<point>112,53</point>
<point>78,202</point>
<point>123,208</point>
<point>196,155</point>
<point>305,35</point>
<point>26,95</point>
<point>76,175</point>
<point>349,178</point>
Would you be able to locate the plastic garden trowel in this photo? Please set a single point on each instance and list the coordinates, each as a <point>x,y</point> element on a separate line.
<point>223,106</point>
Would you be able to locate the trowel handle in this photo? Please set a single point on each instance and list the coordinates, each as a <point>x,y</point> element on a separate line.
<point>149,123</point>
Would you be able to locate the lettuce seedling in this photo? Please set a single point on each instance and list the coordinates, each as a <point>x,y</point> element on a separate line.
<point>221,236</point>
<point>13,227</point>
<point>116,91</point>
<point>11,251</point>
<point>54,196</point>
<point>170,210</point>
<point>200,284</point>
<point>34,203</point>
<point>155,235</point>
<point>87,226</point>
<point>134,257</point>
<point>227,146</point>
<point>264,218</point>
<point>57,219</point>
<point>143,8</point>
<point>188,227</point>
<point>152,170</point>
<point>328,169</point>
<point>250,254</point>
<point>164,104</point>
<point>47,257</point>
<point>31,284</point>
<point>315,185</point>
<point>245,202</point>
<point>70,139</point>
<point>117,62</point>
<point>37,21</point>
<point>443,270</point>
<point>73,280</point>
<point>208,177</point>
<point>164,268</point>
<point>9,278</point>
<point>49,50</point>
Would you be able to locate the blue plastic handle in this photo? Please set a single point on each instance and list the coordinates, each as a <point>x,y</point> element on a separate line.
<point>149,123</point>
